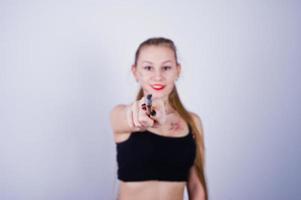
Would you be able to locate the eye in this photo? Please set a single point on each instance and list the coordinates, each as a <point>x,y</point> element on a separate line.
<point>165,68</point>
<point>148,68</point>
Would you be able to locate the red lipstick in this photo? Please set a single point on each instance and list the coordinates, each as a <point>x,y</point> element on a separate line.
<point>157,86</point>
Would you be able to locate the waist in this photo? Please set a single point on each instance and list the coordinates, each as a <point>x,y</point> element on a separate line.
<point>151,190</point>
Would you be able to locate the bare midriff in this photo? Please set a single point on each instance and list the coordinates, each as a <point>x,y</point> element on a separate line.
<point>150,190</point>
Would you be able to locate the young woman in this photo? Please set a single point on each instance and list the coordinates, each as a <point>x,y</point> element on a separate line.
<point>160,145</point>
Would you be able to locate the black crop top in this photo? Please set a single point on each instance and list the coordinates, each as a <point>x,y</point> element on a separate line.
<point>149,156</point>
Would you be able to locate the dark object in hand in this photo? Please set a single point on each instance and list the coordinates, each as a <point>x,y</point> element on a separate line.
<point>153,113</point>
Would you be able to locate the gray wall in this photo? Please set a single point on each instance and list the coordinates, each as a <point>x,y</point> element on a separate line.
<point>65,64</point>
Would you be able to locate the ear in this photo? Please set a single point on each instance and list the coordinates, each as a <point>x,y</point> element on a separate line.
<point>134,71</point>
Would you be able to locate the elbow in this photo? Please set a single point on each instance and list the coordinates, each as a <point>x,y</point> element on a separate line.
<point>200,196</point>
<point>197,193</point>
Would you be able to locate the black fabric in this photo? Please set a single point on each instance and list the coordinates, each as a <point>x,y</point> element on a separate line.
<point>149,156</point>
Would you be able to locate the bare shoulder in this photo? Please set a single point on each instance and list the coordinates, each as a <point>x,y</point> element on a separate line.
<point>197,120</point>
<point>195,116</point>
<point>116,115</point>
<point>117,109</point>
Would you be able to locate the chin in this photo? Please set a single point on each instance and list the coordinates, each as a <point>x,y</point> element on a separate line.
<point>158,94</point>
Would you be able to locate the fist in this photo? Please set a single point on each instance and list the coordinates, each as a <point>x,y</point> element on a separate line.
<point>142,115</point>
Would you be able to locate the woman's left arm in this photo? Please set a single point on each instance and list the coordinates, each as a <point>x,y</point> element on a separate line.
<point>194,186</point>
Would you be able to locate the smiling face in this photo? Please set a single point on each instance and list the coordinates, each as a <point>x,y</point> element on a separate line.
<point>156,70</point>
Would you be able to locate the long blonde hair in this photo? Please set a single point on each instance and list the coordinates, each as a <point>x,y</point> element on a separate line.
<point>176,104</point>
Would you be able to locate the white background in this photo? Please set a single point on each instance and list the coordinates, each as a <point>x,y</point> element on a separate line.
<point>65,64</point>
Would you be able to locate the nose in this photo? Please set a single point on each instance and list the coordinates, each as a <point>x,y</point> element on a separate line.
<point>158,76</point>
